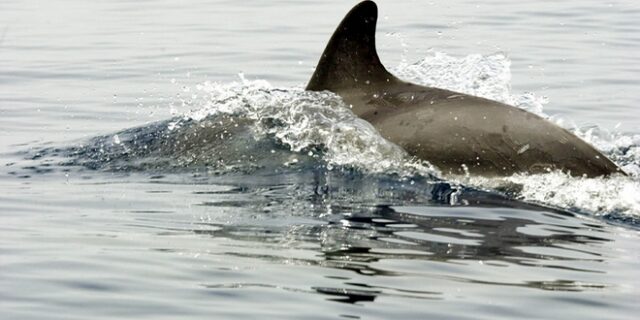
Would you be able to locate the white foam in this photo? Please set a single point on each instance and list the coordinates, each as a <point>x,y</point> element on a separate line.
<point>305,120</point>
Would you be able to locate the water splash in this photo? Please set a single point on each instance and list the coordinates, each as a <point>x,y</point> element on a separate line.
<point>483,76</point>
<point>307,122</point>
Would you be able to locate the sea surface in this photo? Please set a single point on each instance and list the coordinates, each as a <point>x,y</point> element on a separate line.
<point>161,160</point>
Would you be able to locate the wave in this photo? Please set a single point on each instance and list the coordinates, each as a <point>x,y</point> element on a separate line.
<point>308,123</point>
<point>244,126</point>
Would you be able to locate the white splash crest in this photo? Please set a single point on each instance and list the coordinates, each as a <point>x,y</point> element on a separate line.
<point>599,196</point>
<point>483,76</point>
<point>623,149</point>
<point>303,120</point>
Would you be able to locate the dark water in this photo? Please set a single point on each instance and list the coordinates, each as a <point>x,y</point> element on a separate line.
<point>251,198</point>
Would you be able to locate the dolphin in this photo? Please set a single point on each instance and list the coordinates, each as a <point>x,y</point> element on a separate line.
<point>456,132</point>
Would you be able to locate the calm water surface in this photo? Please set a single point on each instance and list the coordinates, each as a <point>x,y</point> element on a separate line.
<point>90,232</point>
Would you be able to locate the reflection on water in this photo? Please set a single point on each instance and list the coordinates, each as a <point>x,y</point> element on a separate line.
<point>307,239</point>
<point>388,235</point>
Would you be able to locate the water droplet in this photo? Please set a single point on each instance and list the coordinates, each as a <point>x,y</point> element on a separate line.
<point>523,149</point>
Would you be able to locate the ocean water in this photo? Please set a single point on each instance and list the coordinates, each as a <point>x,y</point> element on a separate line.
<point>161,160</point>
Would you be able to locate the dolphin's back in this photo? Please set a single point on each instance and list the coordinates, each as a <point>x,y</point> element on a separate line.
<point>460,133</point>
<point>456,132</point>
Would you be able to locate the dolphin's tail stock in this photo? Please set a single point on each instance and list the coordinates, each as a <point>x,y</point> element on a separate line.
<point>350,58</point>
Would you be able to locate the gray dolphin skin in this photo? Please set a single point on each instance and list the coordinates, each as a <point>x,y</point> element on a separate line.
<point>455,132</point>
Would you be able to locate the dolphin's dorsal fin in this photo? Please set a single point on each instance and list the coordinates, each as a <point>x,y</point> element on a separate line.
<point>350,58</point>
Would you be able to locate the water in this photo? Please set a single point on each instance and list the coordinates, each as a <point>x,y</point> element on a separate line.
<point>299,209</point>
